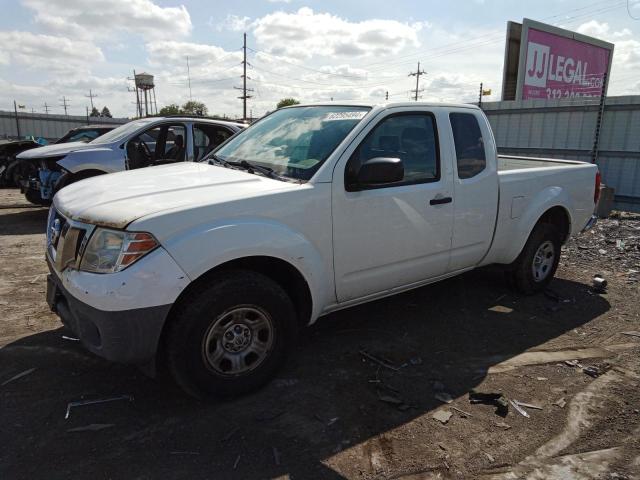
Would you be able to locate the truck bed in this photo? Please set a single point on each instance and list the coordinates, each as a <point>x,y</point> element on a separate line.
<point>510,162</point>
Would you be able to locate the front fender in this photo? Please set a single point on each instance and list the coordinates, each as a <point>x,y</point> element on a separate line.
<point>206,247</point>
<point>104,160</point>
<point>514,232</point>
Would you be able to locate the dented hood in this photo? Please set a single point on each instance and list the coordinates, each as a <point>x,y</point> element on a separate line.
<point>56,150</point>
<point>117,199</point>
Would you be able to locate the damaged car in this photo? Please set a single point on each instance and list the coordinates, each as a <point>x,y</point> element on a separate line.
<point>140,143</point>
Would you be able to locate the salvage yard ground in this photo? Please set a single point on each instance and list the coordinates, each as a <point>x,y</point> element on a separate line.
<point>358,396</point>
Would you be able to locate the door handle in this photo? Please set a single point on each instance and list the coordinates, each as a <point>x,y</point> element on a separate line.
<point>440,201</point>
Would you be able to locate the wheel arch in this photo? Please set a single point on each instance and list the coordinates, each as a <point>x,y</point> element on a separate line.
<point>277,269</point>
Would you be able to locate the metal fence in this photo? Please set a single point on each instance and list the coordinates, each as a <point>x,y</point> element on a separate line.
<point>47,126</point>
<point>566,129</point>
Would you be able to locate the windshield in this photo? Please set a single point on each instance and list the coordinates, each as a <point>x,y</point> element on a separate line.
<point>293,142</point>
<point>122,131</point>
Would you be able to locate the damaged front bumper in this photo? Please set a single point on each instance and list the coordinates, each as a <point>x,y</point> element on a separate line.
<point>115,319</point>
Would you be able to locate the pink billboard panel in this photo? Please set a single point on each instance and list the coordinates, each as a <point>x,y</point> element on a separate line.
<point>559,67</point>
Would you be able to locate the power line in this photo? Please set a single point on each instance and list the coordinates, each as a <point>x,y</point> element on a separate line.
<point>46,108</point>
<point>189,78</point>
<point>629,11</point>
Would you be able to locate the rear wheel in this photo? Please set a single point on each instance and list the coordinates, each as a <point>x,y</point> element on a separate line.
<point>230,336</point>
<point>536,265</point>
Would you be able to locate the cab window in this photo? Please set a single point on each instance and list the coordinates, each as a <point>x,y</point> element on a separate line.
<point>469,144</point>
<point>411,137</point>
<point>158,145</point>
<point>206,138</point>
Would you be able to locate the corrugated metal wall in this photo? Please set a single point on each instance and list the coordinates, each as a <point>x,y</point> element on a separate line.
<point>50,127</point>
<point>566,128</point>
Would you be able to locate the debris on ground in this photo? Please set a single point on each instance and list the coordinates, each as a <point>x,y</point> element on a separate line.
<point>462,412</point>
<point>503,425</point>
<point>561,402</point>
<point>442,416</point>
<point>93,427</point>
<point>70,339</point>
<point>444,397</point>
<point>235,464</point>
<point>596,370</point>
<point>573,363</point>
<point>632,334</point>
<point>276,456</point>
<point>527,405</point>
<point>599,283</point>
<point>415,361</point>
<point>492,398</point>
<point>269,415</point>
<point>81,403</point>
<point>500,309</point>
<point>379,360</point>
<point>16,377</point>
<point>519,409</point>
<point>489,457</point>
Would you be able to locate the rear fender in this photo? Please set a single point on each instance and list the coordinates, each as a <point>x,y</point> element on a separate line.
<point>514,237</point>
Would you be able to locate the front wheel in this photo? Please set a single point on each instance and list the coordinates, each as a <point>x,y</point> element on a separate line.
<point>230,335</point>
<point>536,265</point>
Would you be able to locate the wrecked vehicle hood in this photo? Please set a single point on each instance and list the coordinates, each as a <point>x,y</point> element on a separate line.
<point>117,199</point>
<point>57,150</point>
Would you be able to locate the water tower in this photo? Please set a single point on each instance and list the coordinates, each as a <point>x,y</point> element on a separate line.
<point>145,89</point>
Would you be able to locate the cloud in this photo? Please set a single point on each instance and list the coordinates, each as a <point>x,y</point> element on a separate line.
<point>168,52</point>
<point>99,19</point>
<point>42,52</point>
<point>601,30</point>
<point>232,22</point>
<point>306,33</point>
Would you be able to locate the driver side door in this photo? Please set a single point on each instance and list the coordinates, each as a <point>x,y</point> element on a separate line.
<point>394,235</point>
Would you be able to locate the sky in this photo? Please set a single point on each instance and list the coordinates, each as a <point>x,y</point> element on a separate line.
<point>309,50</point>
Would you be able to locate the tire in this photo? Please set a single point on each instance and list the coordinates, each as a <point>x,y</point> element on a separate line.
<point>34,197</point>
<point>68,178</point>
<point>536,265</point>
<point>223,310</point>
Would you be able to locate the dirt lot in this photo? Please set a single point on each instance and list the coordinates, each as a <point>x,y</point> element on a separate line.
<point>332,413</point>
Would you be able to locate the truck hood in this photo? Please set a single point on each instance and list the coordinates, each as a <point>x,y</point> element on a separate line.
<point>117,199</point>
<point>55,150</point>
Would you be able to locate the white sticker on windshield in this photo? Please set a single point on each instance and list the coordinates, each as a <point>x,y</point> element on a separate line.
<point>357,115</point>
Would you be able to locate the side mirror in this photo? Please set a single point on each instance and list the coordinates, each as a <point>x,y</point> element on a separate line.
<point>380,170</point>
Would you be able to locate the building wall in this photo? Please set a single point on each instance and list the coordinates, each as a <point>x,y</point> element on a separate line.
<point>565,129</point>
<point>50,127</point>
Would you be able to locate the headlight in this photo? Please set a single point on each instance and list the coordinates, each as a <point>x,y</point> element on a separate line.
<point>110,251</point>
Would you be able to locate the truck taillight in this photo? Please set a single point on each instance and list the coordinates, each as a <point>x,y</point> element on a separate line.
<point>596,194</point>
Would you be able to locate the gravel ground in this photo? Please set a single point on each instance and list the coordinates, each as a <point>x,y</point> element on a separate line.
<point>335,411</point>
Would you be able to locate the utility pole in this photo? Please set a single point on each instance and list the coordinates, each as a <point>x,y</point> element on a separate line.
<point>189,75</point>
<point>417,74</point>
<point>596,135</point>
<point>88,115</point>
<point>64,104</point>
<point>15,109</point>
<point>244,88</point>
<point>480,96</point>
<point>386,95</point>
<point>46,108</point>
<point>91,96</point>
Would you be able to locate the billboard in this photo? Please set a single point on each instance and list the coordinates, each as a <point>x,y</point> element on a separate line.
<point>554,63</point>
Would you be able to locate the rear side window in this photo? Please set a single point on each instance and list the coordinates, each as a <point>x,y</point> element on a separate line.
<point>469,144</point>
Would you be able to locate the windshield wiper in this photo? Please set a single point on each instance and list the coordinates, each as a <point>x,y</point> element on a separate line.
<point>216,159</point>
<point>266,171</point>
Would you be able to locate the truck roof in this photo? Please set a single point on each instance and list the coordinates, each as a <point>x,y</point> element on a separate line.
<point>192,118</point>
<point>388,104</point>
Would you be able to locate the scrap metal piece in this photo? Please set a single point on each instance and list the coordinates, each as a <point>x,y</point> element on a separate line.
<point>519,409</point>
<point>20,375</point>
<point>527,405</point>
<point>81,403</point>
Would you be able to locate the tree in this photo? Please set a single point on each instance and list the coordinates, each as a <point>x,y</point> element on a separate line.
<point>105,112</point>
<point>172,109</point>
<point>287,102</point>
<point>94,112</point>
<point>193,107</point>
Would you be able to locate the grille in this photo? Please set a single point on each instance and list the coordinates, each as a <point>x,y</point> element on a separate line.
<point>65,240</point>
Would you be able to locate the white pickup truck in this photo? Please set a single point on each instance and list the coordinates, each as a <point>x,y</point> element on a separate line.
<point>212,267</point>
